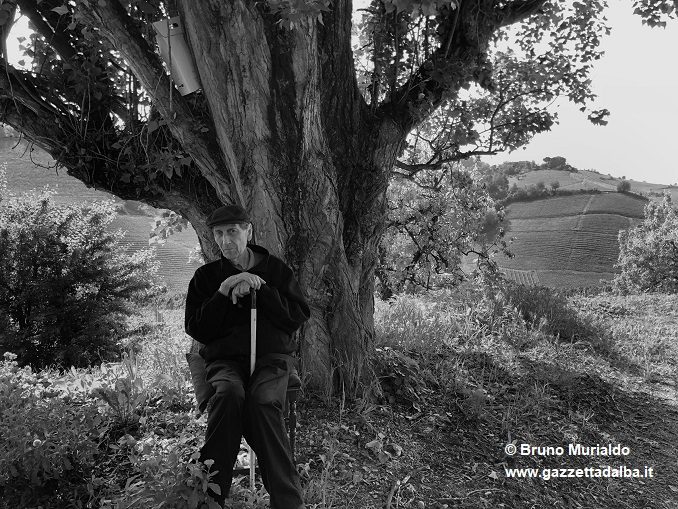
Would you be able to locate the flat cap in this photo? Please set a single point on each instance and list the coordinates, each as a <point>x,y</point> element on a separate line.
<point>229,214</point>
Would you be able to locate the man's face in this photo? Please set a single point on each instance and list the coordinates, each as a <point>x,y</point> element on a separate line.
<point>232,239</point>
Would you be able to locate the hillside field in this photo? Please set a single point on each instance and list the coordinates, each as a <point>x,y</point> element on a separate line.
<point>34,170</point>
<point>568,241</point>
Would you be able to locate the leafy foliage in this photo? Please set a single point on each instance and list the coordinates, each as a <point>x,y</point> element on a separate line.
<point>656,12</point>
<point>436,219</point>
<point>47,447</point>
<point>648,253</point>
<point>67,284</point>
<point>61,448</point>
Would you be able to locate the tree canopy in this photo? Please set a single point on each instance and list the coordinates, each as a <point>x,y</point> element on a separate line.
<point>306,111</point>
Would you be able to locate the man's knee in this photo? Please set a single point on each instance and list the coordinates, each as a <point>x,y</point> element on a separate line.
<point>265,397</point>
<point>229,391</point>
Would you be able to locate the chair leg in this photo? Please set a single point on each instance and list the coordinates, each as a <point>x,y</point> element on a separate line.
<point>293,425</point>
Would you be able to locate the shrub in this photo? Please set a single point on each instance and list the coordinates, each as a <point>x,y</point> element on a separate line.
<point>648,253</point>
<point>68,284</point>
<point>163,479</point>
<point>623,186</point>
<point>548,310</point>
<point>402,379</point>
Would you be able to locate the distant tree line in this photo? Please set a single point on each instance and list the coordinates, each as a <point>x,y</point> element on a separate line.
<point>495,178</point>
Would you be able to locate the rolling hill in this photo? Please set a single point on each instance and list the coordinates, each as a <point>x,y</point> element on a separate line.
<point>135,218</point>
<point>568,241</point>
<point>589,180</point>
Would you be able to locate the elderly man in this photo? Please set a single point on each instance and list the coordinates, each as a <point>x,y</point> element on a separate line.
<point>217,315</point>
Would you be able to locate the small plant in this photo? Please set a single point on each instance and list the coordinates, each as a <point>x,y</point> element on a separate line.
<point>128,396</point>
<point>402,379</point>
<point>318,492</point>
<point>165,480</point>
<point>48,443</point>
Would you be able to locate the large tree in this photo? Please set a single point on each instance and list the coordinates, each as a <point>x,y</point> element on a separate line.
<point>293,123</point>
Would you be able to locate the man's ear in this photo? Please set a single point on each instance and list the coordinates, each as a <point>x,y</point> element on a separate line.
<point>249,232</point>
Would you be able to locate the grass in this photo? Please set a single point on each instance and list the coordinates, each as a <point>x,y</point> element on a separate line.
<point>619,388</point>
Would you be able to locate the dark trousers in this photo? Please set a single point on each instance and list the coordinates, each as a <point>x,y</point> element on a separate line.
<point>253,408</point>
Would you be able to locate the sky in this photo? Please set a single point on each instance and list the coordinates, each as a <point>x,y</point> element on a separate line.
<point>636,79</point>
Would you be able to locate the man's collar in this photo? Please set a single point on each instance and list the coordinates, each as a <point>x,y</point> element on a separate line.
<point>256,250</point>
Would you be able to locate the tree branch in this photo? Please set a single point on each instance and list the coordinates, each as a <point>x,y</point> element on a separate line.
<point>191,195</point>
<point>15,87</point>
<point>341,98</point>
<point>516,11</point>
<point>466,32</point>
<point>116,26</point>
<point>7,11</point>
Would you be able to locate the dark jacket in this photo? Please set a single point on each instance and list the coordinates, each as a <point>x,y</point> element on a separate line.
<point>224,328</point>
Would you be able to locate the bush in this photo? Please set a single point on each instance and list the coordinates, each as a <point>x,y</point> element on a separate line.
<point>548,310</point>
<point>402,379</point>
<point>648,253</point>
<point>623,186</point>
<point>68,284</point>
<point>163,478</point>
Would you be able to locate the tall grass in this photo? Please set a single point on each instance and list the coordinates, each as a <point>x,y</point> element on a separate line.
<point>414,323</point>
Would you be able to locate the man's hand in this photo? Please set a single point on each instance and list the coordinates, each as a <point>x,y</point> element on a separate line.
<point>242,283</point>
<point>240,290</point>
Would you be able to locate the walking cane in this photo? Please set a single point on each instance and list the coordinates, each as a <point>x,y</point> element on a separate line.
<point>253,359</point>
